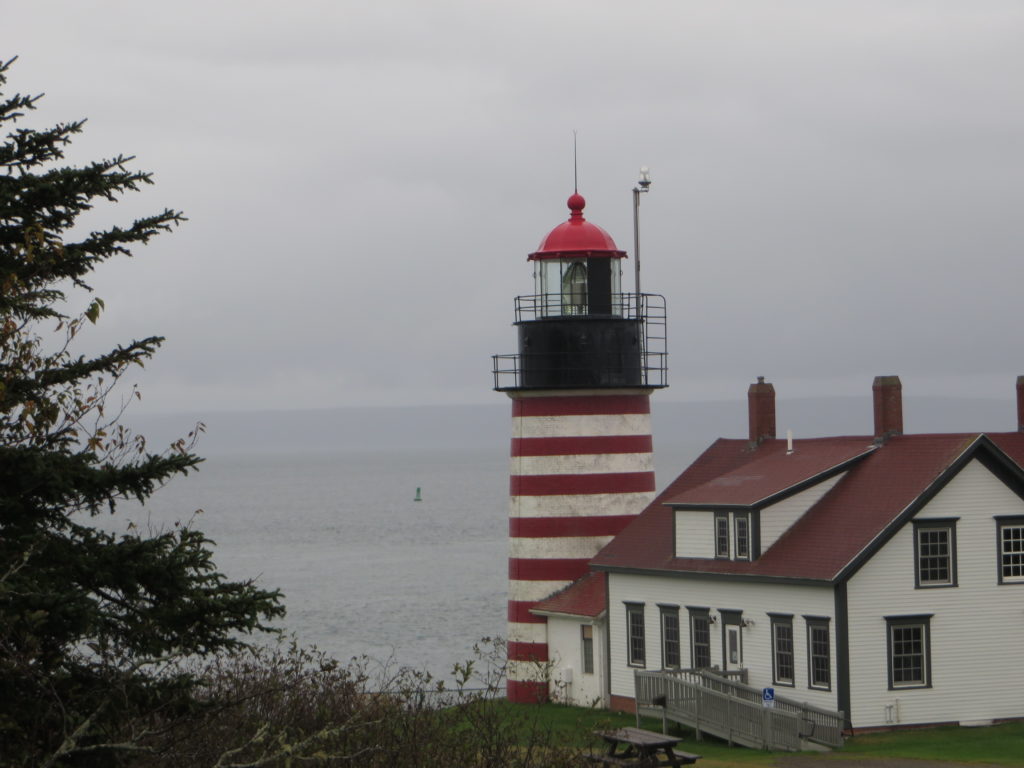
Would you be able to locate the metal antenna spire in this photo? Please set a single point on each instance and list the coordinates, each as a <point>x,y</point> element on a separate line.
<point>575,166</point>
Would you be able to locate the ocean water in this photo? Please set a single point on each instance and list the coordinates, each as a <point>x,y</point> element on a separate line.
<point>364,568</point>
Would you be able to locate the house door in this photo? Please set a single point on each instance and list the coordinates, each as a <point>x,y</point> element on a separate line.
<point>733,652</point>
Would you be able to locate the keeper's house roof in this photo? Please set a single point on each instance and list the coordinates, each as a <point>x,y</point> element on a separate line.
<point>882,486</point>
<point>586,597</point>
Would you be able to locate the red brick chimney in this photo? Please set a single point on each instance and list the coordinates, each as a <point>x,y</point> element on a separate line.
<point>1020,403</point>
<point>761,409</point>
<point>888,393</point>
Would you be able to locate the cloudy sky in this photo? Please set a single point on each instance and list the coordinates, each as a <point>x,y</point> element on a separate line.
<point>838,186</point>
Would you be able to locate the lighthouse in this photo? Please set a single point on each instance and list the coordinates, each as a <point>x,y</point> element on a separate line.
<point>589,357</point>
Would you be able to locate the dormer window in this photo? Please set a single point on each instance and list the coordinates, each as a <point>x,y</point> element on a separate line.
<point>735,535</point>
<point>742,526</point>
<point>722,535</point>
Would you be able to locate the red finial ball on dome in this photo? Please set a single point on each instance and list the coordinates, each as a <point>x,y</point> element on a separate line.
<point>576,204</point>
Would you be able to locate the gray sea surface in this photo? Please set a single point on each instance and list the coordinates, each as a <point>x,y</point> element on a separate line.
<point>364,568</point>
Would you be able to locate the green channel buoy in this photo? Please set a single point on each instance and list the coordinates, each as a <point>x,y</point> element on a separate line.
<point>419,496</point>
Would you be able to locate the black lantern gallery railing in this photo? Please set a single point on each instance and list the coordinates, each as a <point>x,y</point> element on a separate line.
<point>559,349</point>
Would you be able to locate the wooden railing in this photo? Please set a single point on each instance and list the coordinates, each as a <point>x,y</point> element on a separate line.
<point>731,710</point>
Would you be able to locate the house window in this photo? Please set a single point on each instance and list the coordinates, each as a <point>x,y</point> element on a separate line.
<point>819,657</point>
<point>587,640</point>
<point>1011,550</point>
<point>700,637</point>
<point>909,651</point>
<point>635,644</point>
<point>670,637</point>
<point>783,662</point>
<point>721,535</point>
<point>742,525</point>
<point>935,553</point>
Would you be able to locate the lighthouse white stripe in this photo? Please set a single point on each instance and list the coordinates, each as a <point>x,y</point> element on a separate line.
<point>527,633</point>
<point>527,671</point>
<point>585,464</point>
<point>564,547</point>
<point>580,505</point>
<point>581,426</point>
<point>533,591</point>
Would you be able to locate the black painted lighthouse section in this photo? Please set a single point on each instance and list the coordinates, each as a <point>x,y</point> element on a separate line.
<point>580,351</point>
<point>599,285</point>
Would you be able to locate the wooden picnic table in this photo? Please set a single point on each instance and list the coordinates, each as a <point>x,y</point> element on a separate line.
<point>642,749</point>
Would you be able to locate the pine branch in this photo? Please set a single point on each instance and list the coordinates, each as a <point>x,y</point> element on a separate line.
<point>89,621</point>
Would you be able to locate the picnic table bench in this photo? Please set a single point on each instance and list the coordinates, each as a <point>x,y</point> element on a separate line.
<point>641,749</point>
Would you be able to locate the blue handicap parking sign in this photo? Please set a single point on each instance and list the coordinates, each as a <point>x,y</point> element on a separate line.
<point>768,696</point>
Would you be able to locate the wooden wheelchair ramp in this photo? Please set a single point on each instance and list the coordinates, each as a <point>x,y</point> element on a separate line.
<point>711,703</point>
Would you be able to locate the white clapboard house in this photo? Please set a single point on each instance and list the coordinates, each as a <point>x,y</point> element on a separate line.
<point>881,575</point>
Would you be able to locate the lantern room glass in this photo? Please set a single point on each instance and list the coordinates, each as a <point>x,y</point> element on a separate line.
<point>574,289</point>
<point>562,287</point>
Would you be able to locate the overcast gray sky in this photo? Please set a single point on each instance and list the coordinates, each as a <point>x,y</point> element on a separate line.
<point>838,186</point>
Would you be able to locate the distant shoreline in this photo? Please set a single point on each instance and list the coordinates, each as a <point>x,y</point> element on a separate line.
<point>485,427</point>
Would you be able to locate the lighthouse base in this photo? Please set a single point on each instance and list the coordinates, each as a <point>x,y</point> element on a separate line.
<point>526,691</point>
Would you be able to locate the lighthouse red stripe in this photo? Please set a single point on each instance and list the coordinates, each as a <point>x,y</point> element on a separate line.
<point>527,651</point>
<point>546,569</point>
<point>526,691</point>
<point>575,446</point>
<point>519,611</point>
<point>587,405</point>
<point>559,485</point>
<point>542,527</point>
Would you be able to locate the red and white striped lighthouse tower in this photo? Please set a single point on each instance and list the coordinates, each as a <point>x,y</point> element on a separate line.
<point>581,468</point>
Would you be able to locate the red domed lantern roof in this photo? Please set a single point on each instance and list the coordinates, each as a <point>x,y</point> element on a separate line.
<point>577,237</point>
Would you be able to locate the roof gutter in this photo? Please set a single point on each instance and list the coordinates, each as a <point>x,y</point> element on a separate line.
<point>562,615</point>
<point>705,575</point>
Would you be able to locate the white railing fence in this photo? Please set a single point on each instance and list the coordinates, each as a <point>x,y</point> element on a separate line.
<point>731,710</point>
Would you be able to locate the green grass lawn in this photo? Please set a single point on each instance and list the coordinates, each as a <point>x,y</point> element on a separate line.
<point>999,745</point>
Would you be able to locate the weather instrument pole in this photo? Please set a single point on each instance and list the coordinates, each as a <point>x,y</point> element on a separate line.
<point>641,186</point>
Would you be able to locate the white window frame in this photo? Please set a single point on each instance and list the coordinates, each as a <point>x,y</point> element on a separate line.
<point>741,542</point>
<point>894,626</point>
<point>1010,549</point>
<point>636,653</point>
<point>723,553</point>
<point>819,624</point>
<point>700,619</point>
<point>925,554</point>
<point>669,624</point>
<point>783,621</point>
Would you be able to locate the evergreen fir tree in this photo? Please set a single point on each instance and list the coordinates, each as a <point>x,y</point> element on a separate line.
<point>93,625</point>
